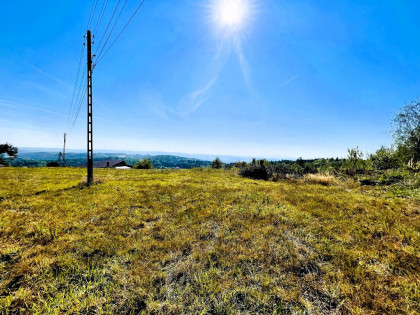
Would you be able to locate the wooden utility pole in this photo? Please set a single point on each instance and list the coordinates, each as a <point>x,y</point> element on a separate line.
<point>89,110</point>
<point>64,150</point>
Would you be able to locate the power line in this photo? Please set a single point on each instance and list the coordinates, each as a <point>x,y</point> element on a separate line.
<point>75,107</point>
<point>72,104</point>
<point>75,86</point>
<point>112,30</point>
<point>92,14</point>
<point>79,96</point>
<point>109,23</point>
<point>112,44</point>
<point>101,15</point>
<point>78,101</point>
<point>82,98</point>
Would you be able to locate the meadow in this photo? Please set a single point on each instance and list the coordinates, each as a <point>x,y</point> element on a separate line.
<point>204,241</point>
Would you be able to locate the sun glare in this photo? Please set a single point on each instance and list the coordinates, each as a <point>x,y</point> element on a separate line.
<point>231,14</point>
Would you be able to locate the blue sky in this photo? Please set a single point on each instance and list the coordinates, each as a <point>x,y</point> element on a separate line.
<point>297,78</point>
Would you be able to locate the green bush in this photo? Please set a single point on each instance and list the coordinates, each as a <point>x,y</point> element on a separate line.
<point>217,163</point>
<point>258,169</point>
<point>354,163</point>
<point>144,164</point>
<point>240,164</point>
<point>384,159</point>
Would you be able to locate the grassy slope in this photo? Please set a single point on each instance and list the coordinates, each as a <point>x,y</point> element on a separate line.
<point>202,241</point>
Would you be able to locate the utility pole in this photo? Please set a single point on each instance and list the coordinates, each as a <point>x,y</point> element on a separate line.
<point>89,110</point>
<point>64,151</point>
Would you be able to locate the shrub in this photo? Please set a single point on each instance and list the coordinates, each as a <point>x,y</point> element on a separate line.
<point>240,164</point>
<point>389,179</point>
<point>217,163</point>
<point>384,159</point>
<point>283,170</point>
<point>258,169</point>
<point>367,182</point>
<point>354,162</point>
<point>413,166</point>
<point>144,164</point>
<point>385,179</point>
<point>53,164</point>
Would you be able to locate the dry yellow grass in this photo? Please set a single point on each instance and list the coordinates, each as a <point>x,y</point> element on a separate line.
<point>202,241</point>
<point>322,179</point>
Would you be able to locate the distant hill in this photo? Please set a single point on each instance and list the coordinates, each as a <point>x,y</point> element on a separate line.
<point>33,158</point>
<point>107,152</point>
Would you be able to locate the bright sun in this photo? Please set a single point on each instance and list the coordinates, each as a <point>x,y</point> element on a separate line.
<point>231,14</point>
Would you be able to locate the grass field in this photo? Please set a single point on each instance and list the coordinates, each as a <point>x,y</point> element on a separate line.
<point>204,241</point>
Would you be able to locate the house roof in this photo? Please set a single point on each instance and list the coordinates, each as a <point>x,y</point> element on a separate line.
<point>112,163</point>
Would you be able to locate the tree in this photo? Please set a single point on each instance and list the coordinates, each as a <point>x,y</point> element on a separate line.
<point>384,159</point>
<point>354,162</point>
<point>407,130</point>
<point>217,163</point>
<point>144,164</point>
<point>354,155</point>
<point>9,150</point>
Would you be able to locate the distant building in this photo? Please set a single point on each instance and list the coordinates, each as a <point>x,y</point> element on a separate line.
<point>123,168</point>
<point>110,164</point>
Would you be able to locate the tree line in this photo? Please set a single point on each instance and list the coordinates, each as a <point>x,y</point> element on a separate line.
<point>403,154</point>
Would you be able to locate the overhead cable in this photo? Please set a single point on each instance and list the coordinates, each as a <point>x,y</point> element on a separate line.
<point>135,12</point>
<point>101,15</point>
<point>112,30</point>
<point>107,27</point>
<point>92,13</point>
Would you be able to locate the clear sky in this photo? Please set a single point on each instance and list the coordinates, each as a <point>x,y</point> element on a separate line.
<point>278,78</point>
